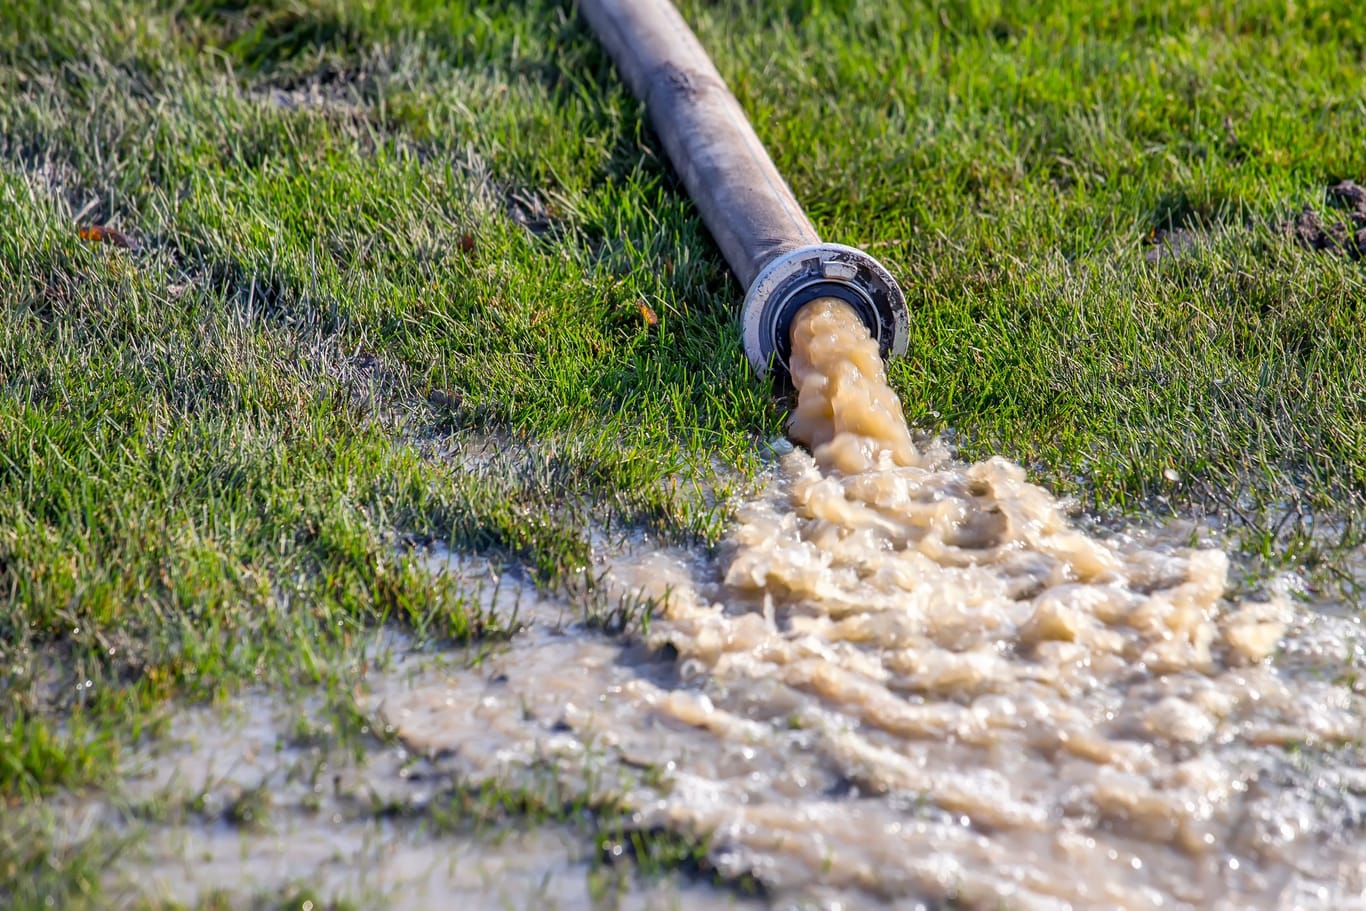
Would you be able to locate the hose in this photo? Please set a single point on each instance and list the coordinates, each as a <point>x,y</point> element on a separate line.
<point>770,244</point>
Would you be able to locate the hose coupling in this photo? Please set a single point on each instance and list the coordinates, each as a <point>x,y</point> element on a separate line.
<point>809,273</point>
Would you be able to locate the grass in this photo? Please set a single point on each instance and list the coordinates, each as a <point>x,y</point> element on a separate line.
<point>407,271</point>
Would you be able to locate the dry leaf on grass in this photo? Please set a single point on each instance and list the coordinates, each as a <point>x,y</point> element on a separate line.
<point>97,234</point>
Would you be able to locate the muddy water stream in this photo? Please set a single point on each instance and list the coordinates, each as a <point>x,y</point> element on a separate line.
<point>902,681</point>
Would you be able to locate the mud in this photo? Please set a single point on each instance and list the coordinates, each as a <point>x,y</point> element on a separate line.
<point>1345,234</point>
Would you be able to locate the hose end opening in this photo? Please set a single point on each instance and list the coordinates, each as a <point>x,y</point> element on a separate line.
<point>809,273</point>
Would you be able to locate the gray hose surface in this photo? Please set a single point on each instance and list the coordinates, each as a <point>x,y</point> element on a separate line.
<point>744,201</point>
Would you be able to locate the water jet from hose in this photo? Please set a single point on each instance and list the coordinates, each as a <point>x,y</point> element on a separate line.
<point>749,209</point>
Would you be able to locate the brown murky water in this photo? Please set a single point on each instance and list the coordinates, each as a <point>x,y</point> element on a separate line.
<point>909,680</point>
<point>250,801</point>
<point>902,681</point>
<point>276,813</point>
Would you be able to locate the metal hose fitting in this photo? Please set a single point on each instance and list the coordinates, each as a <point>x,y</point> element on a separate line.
<point>798,277</point>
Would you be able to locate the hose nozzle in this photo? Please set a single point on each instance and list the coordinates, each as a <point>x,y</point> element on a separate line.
<point>795,279</point>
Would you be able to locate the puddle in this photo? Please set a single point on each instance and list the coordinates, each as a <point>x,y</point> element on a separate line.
<point>909,681</point>
<point>856,755</point>
<point>838,753</point>
<point>240,802</point>
<point>901,681</point>
<point>371,865</point>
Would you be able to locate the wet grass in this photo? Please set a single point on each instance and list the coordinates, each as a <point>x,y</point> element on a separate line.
<point>394,273</point>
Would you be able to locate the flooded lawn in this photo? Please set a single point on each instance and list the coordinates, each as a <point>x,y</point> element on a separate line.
<point>901,680</point>
<point>246,807</point>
